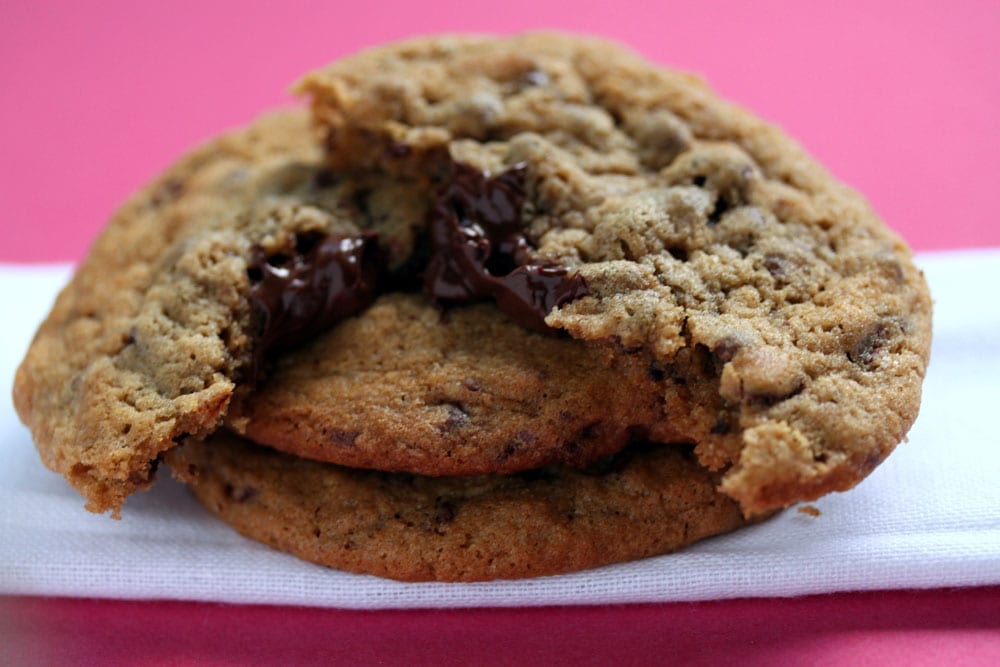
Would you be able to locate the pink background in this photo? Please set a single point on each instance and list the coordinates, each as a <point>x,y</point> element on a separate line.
<point>899,99</point>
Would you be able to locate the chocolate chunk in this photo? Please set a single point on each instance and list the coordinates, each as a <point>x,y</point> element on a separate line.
<point>307,286</point>
<point>776,265</point>
<point>480,250</point>
<point>345,438</point>
<point>444,510</point>
<point>242,494</point>
<point>168,192</point>
<point>655,372</point>
<point>866,350</point>
<point>721,427</point>
<point>457,417</point>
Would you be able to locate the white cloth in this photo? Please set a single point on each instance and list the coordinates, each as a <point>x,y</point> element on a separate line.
<point>928,517</point>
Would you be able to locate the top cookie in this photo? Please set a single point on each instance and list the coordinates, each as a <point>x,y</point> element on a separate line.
<point>793,324</point>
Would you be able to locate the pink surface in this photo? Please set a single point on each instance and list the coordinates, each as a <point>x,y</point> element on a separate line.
<point>897,98</point>
<point>949,627</point>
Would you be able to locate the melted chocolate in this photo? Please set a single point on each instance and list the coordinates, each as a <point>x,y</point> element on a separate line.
<point>309,285</point>
<point>480,250</point>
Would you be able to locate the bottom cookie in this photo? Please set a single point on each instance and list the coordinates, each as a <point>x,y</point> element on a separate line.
<point>644,501</point>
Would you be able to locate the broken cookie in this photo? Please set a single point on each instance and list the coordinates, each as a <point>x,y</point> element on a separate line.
<point>499,303</point>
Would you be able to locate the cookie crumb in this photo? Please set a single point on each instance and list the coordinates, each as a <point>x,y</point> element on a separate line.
<point>811,510</point>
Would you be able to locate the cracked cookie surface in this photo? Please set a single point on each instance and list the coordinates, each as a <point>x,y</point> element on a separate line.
<point>786,317</point>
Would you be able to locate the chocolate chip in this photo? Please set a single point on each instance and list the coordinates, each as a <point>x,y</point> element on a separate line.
<point>457,417</point>
<point>471,384</point>
<point>241,495</point>
<point>306,241</point>
<point>867,348</point>
<point>168,191</point>
<point>776,265</point>
<point>527,437</point>
<point>570,452</point>
<point>444,510</point>
<point>480,250</point>
<point>278,260</point>
<point>506,452</point>
<point>721,427</point>
<point>872,459</point>
<point>296,295</point>
<point>654,372</point>
<point>895,270</point>
<point>344,438</point>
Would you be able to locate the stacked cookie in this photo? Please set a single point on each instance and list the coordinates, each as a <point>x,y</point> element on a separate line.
<point>494,308</point>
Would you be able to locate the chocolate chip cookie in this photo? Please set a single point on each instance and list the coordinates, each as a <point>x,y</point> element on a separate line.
<point>498,301</point>
<point>792,326</point>
<point>645,500</point>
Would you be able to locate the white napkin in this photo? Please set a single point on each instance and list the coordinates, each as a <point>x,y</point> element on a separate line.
<point>928,517</point>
